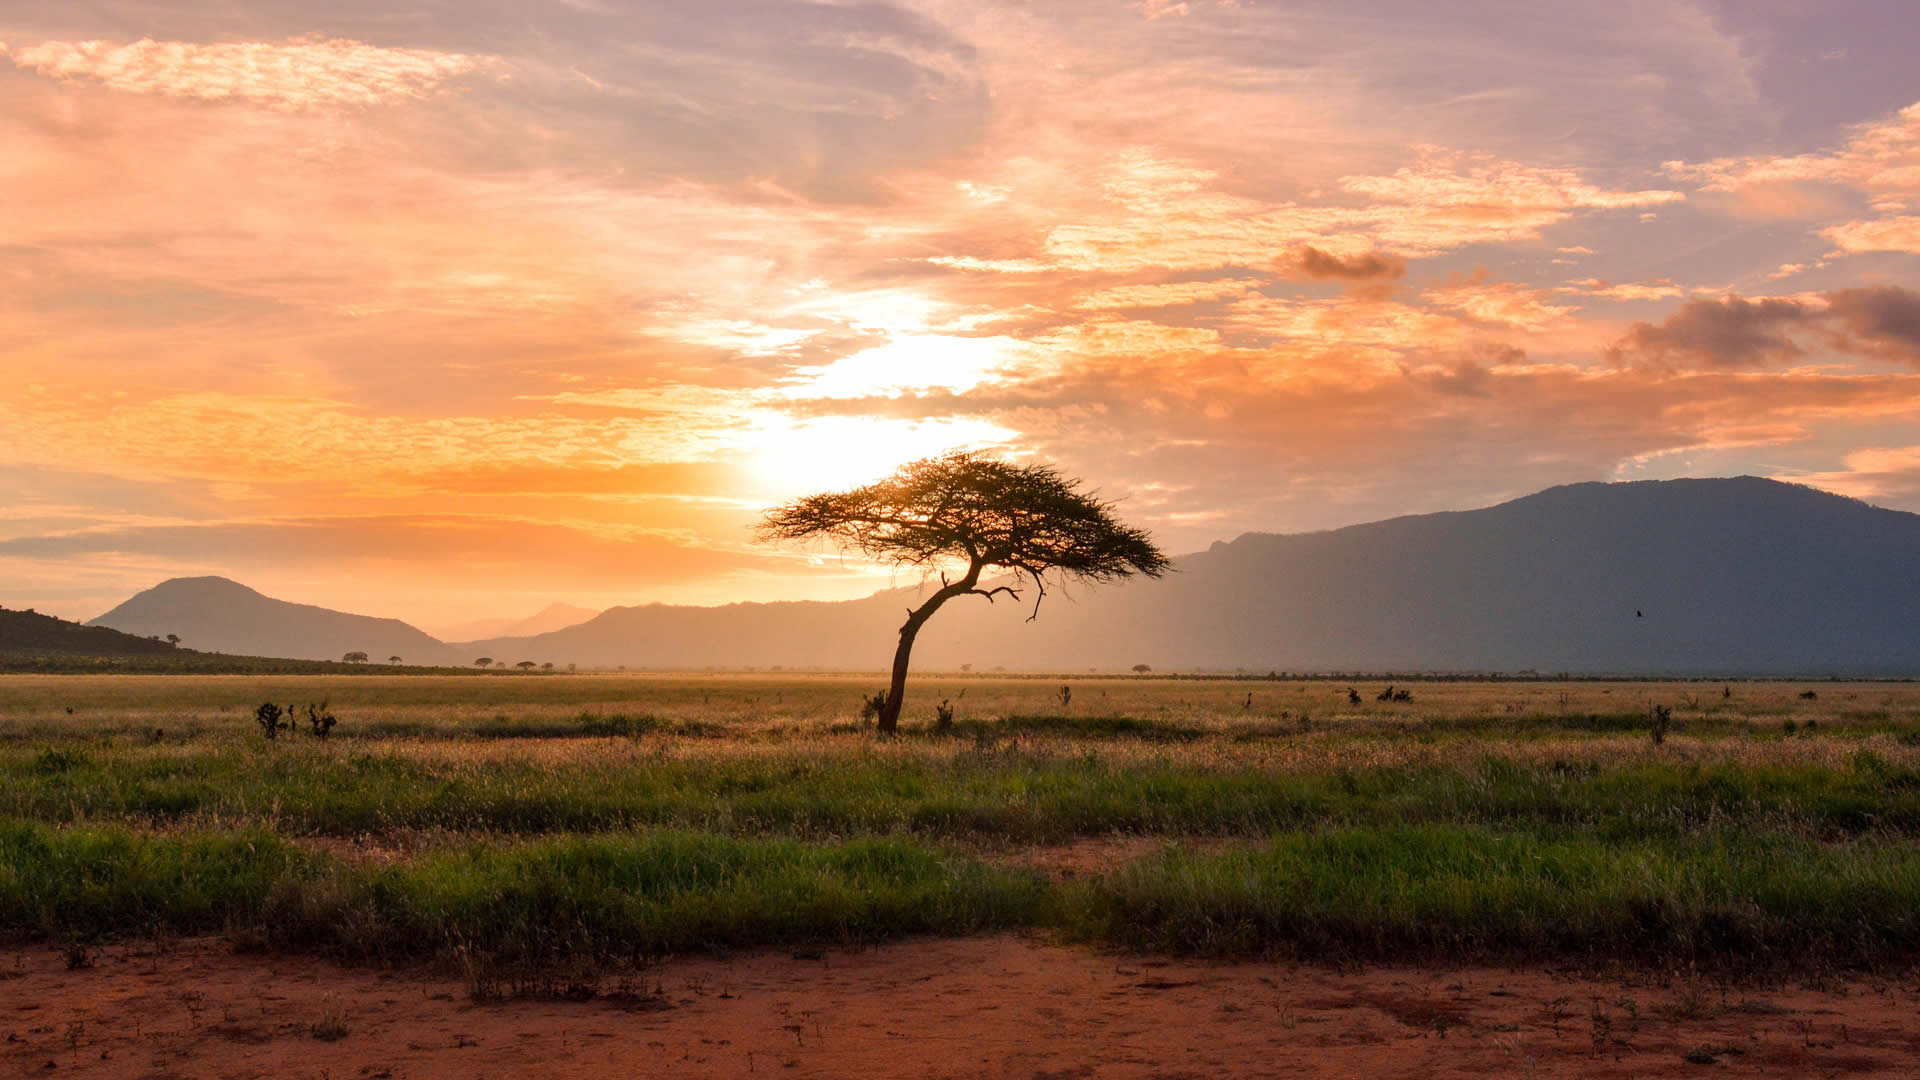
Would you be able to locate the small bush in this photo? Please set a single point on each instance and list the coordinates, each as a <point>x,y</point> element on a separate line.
<point>1660,721</point>
<point>321,719</point>
<point>270,718</point>
<point>943,718</point>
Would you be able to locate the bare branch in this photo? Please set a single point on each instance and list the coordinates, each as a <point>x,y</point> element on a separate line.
<point>1040,595</point>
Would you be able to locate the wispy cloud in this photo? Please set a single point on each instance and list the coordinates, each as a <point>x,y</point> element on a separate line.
<point>631,271</point>
<point>288,76</point>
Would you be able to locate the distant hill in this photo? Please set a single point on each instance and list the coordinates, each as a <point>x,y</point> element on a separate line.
<point>30,633</point>
<point>1711,577</point>
<point>552,617</point>
<point>212,614</point>
<point>1723,576</point>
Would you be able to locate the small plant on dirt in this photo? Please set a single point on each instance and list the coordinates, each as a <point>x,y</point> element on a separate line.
<point>193,1001</point>
<point>331,1024</point>
<point>1601,1028</point>
<point>1557,1011</point>
<point>272,719</point>
<point>1659,721</point>
<point>77,956</point>
<point>872,707</point>
<point>943,717</point>
<point>321,720</point>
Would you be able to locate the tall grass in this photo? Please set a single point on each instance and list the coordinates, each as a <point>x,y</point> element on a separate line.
<point>565,898</point>
<point>1720,899</point>
<point>1723,900</point>
<point>1000,795</point>
<point>548,819</point>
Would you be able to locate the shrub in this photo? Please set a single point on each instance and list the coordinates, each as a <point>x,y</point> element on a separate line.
<point>1660,720</point>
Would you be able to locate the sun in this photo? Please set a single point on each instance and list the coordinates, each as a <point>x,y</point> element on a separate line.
<point>796,457</point>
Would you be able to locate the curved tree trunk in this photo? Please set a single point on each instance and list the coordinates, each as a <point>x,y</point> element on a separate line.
<point>897,689</point>
<point>889,721</point>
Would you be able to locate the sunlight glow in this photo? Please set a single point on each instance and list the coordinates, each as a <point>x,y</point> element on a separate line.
<point>919,362</point>
<point>836,452</point>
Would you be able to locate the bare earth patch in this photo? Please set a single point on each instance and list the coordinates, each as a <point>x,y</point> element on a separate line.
<point>999,1006</point>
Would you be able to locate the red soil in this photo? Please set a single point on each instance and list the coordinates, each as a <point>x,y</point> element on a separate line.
<point>994,1007</point>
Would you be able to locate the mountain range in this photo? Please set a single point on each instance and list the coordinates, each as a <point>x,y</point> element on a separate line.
<point>1741,576</point>
<point>550,618</point>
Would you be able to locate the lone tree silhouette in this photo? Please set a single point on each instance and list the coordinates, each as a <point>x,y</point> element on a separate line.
<point>964,507</point>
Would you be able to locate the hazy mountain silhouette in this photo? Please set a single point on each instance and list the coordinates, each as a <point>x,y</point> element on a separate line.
<point>553,617</point>
<point>212,614</point>
<point>32,633</point>
<point>1725,576</point>
<point>1740,576</point>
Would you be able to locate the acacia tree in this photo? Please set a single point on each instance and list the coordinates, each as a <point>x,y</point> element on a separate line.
<point>964,508</point>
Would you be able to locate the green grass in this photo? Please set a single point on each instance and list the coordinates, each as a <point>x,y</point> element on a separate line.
<point>1722,900</point>
<point>538,821</point>
<point>591,897</point>
<point>341,788</point>
<point>1716,899</point>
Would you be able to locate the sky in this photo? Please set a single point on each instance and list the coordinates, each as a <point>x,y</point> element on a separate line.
<point>448,309</point>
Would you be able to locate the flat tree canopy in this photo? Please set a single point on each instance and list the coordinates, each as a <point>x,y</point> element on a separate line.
<point>966,508</point>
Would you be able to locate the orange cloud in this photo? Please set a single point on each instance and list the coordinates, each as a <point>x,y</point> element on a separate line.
<point>1659,289</point>
<point>1172,294</point>
<point>1884,234</point>
<point>1879,473</point>
<point>290,76</point>
<point>1502,303</point>
<point>1883,155</point>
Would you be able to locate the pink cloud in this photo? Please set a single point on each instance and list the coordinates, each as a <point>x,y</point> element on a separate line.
<point>292,76</point>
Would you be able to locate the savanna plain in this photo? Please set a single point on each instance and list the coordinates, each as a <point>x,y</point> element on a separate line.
<point>613,875</point>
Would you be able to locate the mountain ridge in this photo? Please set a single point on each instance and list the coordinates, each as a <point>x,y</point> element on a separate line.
<point>217,614</point>
<point>1726,576</point>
